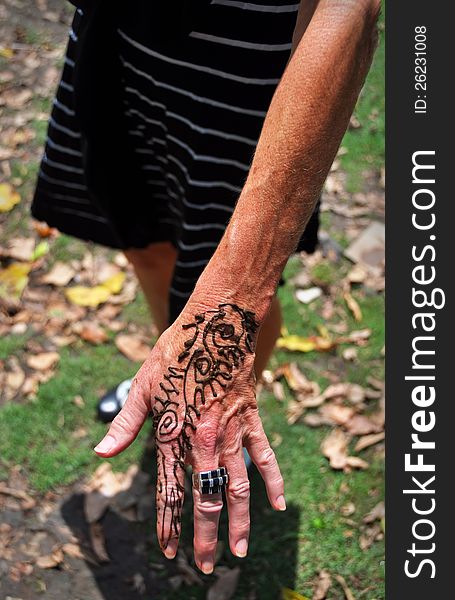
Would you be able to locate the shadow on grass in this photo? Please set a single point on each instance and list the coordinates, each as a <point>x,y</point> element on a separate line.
<point>138,569</point>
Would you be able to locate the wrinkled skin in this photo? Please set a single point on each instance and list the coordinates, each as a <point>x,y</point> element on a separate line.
<point>204,432</point>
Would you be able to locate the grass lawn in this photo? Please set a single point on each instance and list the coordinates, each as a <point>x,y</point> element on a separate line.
<point>289,549</point>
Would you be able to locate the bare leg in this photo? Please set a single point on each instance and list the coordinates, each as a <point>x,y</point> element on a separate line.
<point>268,335</point>
<point>154,266</point>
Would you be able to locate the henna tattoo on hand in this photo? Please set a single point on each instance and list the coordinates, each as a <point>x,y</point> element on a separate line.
<point>218,343</point>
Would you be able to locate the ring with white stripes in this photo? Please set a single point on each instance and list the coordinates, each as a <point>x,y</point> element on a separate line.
<point>211,482</point>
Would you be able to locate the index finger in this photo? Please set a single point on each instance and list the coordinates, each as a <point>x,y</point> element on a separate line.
<point>170,491</point>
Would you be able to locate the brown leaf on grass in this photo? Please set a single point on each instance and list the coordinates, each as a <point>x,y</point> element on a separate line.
<point>43,229</point>
<point>90,332</point>
<point>315,420</point>
<point>297,381</point>
<point>16,98</point>
<point>362,425</point>
<point>133,347</point>
<point>336,413</point>
<point>347,592</point>
<point>322,586</point>
<point>60,275</point>
<point>43,361</point>
<point>335,448</point>
<point>369,440</point>
<point>79,401</point>
<point>376,514</point>
<point>359,337</point>
<point>13,281</point>
<point>20,249</point>
<point>52,560</point>
<point>353,306</point>
<point>369,536</point>
<point>350,354</point>
<point>352,392</point>
<point>226,584</point>
<point>98,542</point>
<point>278,391</point>
<point>294,411</point>
<point>357,274</point>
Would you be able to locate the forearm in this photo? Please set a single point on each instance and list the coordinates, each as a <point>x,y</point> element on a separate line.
<point>304,126</point>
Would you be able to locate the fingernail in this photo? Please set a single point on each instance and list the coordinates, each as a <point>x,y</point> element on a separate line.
<point>171,550</point>
<point>106,444</point>
<point>241,548</point>
<point>281,503</point>
<point>207,568</point>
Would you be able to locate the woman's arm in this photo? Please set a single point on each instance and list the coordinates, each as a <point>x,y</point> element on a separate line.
<point>199,379</point>
<point>304,126</point>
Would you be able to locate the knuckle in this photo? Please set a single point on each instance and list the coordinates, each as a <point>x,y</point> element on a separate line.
<point>204,548</point>
<point>123,423</point>
<point>267,458</point>
<point>207,508</point>
<point>207,437</point>
<point>239,490</point>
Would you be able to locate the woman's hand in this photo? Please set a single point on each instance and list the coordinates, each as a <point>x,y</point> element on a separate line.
<point>199,384</point>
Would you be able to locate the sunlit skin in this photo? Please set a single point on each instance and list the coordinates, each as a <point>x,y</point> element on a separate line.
<point>304,126</point>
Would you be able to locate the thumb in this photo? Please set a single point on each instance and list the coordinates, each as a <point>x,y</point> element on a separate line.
<point>127,424</point>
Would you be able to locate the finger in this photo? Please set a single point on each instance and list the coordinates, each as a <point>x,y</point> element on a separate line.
<point>207,509</point>
<point>263,456</point>
<point>170,491</point>
<point>238,501</point>
<point>127,424</point>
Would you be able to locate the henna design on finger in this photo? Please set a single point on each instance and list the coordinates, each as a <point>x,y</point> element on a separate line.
<point>218,343</point>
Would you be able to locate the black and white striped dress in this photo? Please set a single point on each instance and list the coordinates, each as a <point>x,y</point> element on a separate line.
<point>193,109</point>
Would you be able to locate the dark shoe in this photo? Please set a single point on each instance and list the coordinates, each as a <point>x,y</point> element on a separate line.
<point>112,403</point>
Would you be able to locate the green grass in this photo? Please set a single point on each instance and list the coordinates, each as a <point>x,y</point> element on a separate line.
<point>28,431</point>
<point>365,146</point>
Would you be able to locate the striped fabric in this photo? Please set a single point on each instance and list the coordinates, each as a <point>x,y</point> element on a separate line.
<point>193,109</point>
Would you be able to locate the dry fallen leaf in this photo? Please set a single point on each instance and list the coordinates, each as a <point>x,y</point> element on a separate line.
<point>90,332</point>
<point>98,542</point>
<point>60,274</point>
<point>347,592</point>
<point>43,229</point>
<point>50,561</point>
<point>98,294</point>
<point>43,361</point>
<point>336,413</point>
<point>353,306</point>
<point>16,98</point>
<point>376,514</point>
<point>322,585</point>
<point>73,550</point>
<point>362,425</point>
<point>13,280</point>
<point>297,343</point>
<point>133,347</point>
<point>369,440</point>
<point>20,249</point>
<point>8,197</point>
<point>335,448</point>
